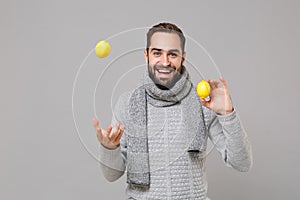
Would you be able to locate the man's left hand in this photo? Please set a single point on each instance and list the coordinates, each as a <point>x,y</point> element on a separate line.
<point>220,100</point>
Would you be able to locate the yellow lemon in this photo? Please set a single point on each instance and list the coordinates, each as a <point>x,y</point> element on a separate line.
<point>203,89</point>
<point>102,49</point>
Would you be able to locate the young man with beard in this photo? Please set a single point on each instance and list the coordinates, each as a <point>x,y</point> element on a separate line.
<point>161,127</point>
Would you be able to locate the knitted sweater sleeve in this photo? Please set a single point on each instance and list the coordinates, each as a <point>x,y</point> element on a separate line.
<point>113,162</point>
<point>228,135</point>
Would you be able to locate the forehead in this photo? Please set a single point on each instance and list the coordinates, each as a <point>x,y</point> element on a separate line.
<point>165,41</point>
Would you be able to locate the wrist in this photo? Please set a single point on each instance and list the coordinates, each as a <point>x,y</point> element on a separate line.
<point>225,112</point>
<point>110,147</point>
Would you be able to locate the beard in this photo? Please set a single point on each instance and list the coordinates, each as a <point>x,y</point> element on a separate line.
<point>164,83</point>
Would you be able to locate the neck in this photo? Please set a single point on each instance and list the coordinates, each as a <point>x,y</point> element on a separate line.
<point>162,87</point>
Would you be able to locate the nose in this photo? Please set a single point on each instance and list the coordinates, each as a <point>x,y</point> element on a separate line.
<point>165,60</point>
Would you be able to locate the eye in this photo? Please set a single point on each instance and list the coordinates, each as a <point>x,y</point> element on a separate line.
<point>156,53</point>
<point>173,55</point>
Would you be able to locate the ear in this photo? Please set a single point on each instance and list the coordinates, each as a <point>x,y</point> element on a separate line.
<point>183,58</point>
<point>146,56</point>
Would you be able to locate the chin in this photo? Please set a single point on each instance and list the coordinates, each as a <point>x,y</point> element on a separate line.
<point>165,84</point>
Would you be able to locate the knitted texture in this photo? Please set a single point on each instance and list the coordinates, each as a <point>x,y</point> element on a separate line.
<point>137,134</point>
<point>174,172</point>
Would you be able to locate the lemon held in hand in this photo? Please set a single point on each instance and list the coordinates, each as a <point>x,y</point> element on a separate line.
<point>102,49</point>
<point>203,89</point>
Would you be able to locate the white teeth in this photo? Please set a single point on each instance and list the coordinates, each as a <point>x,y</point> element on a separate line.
<point>164,71</point>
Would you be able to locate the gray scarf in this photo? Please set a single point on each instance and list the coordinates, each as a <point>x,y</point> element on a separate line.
<point>183,92</point>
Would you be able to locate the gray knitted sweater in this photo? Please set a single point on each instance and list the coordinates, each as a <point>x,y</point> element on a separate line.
<point>174,172</point>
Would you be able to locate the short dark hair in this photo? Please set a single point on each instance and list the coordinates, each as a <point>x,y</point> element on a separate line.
<point>167,28</point>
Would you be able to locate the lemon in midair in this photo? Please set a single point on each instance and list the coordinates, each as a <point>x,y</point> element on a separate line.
<point>102,49</point>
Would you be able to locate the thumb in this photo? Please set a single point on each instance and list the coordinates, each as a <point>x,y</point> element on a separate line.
<point>204,103</point>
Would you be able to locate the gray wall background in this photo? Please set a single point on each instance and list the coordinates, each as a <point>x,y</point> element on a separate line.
<point>255,44</point>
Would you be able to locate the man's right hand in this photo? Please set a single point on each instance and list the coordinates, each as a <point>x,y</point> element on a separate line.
<point>108,138</point>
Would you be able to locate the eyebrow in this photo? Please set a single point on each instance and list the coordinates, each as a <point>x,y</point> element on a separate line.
<point>170,50</point>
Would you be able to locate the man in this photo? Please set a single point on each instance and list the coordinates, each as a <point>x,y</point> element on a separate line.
<point>161,127</point>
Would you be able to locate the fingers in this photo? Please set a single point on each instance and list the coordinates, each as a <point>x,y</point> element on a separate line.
<point>97,127</point>
<point>99,131</point>
<point>205,103</point>
<point>110,137</point>
<point>117,132</point>
<point>95,122</point>
<point>120,135</point>
<point>214,84</point>
<point>224,82</point>
<point>108,130</point>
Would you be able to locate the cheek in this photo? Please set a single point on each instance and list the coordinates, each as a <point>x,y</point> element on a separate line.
<point>153,61</point>
<point>177,63</point>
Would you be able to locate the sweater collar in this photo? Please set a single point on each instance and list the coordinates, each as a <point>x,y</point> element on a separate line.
<point>160,98</point>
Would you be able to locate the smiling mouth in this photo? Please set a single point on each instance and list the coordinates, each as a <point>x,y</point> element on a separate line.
<point>165,70</point>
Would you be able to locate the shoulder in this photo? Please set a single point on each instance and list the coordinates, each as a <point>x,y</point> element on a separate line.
<point>120,108</point>
<point>123,99</point>
<point>122,105</point>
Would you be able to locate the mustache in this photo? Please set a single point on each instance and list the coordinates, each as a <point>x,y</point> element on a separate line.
<point>168,67</point>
